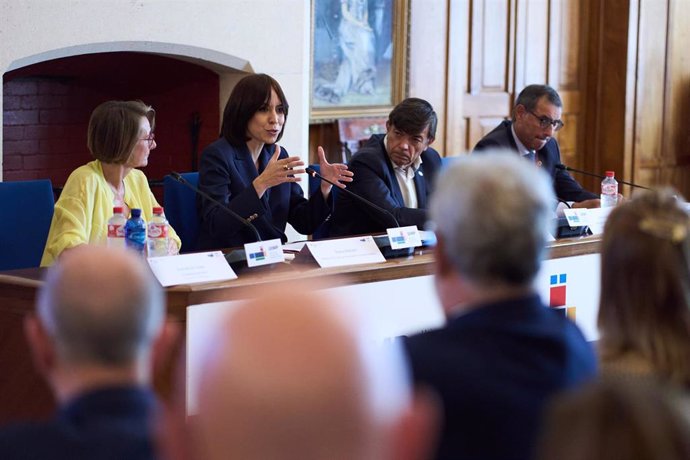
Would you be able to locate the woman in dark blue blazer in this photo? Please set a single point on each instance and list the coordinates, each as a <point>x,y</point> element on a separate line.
<point>249,173</point>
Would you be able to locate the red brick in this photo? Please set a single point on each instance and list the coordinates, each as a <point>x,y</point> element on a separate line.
<point>52,146</point>
<point>55,116</point>
<point>13,133</point>
<point>11,102</point>
<point>46,101</point>
<point>44,132</point>
<point>51,87</point>
<point>76,132</point>
<point>20,117</point>
<point>20,88</point>
<point>23,175</point>
<point>53,162</point>
<point>22,147</point>
<point>11,162</point>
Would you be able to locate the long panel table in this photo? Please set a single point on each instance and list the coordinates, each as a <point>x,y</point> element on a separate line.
<point>23,394</point>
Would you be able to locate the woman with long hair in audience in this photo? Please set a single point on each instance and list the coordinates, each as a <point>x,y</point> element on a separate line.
<point>615,419</point>
<point>644,309</point>
<point>249,173</point>
<point>120,138</point>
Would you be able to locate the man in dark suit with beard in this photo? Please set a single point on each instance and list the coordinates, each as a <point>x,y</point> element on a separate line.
<point>536,116</point>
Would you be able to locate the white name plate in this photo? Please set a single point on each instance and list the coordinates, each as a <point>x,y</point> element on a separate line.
<point>264,252</point>
<point>346,251</point>
<point>404,237</point>
<point>202,267</point>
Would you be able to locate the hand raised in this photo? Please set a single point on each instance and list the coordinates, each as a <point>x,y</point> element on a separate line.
<point>278,171</point>
<point>337,173</point>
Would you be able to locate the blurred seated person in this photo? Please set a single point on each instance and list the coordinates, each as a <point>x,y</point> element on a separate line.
<point>250,174</point>
<point>396,171</point>
<point>644,306</point>
<point>615,419</point>
<point>536,117</point>
<point>98,326</point>
<point>301,380</point>
<point>120,137</point>
<point>502,353</point>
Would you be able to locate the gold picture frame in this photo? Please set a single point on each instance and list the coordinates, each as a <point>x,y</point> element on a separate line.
<point>359,57</point>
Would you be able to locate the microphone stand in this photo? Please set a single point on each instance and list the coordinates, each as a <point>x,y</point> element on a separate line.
<point>312,172</point>
<point>178,177</point>
<point>599,176</point>
<point>382,240</point>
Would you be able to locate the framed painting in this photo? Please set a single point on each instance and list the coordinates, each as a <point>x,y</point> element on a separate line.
<point>359,57</point>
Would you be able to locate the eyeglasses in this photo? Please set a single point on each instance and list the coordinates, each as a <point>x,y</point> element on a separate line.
<point>151,137</point>
<point>545,122</point>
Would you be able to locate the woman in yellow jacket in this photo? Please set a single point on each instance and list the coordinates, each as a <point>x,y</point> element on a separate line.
<point>120,137</point>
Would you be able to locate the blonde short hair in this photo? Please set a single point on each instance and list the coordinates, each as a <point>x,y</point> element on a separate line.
<point>114,129</point>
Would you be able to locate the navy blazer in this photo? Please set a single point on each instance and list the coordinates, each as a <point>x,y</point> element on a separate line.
<point>375,180</point>
<point>109,423</point>
<point>226,173</point>
<point>565,187</point>
<point>494,369</point>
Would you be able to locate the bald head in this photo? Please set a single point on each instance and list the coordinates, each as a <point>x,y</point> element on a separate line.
<point>100,306</point>
<point>293,379</point>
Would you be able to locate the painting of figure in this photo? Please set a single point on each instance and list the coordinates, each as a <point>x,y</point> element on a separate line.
<point>352,53</point>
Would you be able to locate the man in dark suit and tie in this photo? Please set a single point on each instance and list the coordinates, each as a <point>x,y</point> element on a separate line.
<point>98,316</point>
<point>395,171</point>
<point>502,353</point>
<point>536,117</point>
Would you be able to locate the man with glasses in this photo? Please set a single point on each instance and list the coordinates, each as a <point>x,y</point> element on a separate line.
<point>536,117</point>
<point>395,171</point>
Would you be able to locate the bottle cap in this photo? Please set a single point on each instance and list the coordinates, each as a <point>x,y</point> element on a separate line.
<point>610,174</point>
<point>136,213</point>
<point>158,209</point>
<point>118,210</point>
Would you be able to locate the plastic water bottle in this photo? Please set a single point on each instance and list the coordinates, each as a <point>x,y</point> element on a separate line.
<point>158,234</point>
<point>609,190</point>
<point>135,232</point>
<point>116,228</point>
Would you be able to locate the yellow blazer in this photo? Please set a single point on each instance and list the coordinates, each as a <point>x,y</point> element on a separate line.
<point>85,205</point>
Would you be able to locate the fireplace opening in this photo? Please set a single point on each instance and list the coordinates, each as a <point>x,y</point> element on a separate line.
<point>46,109</point>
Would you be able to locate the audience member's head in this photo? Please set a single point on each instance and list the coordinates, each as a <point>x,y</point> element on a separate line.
<point>97,317</point>
<point>615,419</point>
<point>292,379</point>
<point>492,214</point>
<point>644,309</point>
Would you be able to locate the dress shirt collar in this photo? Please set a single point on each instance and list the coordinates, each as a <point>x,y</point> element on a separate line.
<point>522,150</point>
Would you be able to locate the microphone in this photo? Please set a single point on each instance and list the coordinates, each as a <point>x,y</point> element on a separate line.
<point>178,177</point>
<point>586,173</point>
<point>312,172</point>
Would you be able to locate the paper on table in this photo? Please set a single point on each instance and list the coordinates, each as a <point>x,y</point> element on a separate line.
<point>202,267</point>
<point>294,247</point>
<point>346,251</point>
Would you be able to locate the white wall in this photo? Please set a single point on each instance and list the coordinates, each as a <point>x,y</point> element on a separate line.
<point>270,36</point>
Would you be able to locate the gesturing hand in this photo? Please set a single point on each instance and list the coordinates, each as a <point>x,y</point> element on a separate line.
<point>336,172</point>
<point>278,171</point>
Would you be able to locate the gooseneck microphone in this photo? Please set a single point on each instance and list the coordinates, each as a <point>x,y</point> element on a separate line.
<point>587,173</point>
<point>312,172</point>
<point>178,177</point>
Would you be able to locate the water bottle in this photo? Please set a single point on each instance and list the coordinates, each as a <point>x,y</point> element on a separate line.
<point>609,190</point>
<point>135,232</point>
<point>116,228</point>
<point>158,234</point>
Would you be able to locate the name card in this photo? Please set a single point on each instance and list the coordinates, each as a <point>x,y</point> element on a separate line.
<point>576,217</point>
<point>346,251</point>
<point>264,252</point>
<point>203,267</point>
<point>404,237</point>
